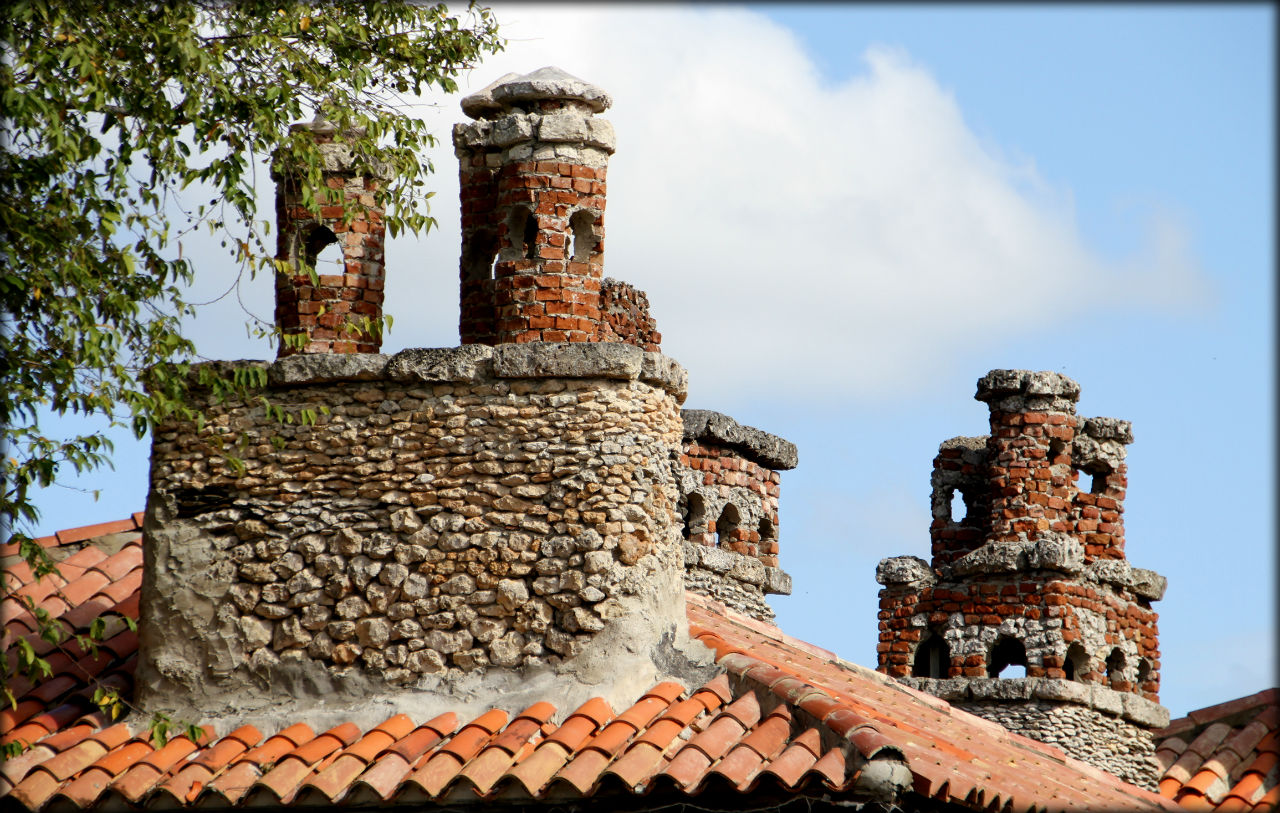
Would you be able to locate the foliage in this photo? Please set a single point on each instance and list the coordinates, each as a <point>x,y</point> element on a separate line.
<point>129,125</point>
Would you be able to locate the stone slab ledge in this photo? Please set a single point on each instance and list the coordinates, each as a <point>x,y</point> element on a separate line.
<point>1131,707</point>
<point>738,566</point>
<point>469,363</point>
<point>757,445</point>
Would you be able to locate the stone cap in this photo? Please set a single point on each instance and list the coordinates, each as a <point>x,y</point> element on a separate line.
<point>959,690</point>
<point>335,153</point>
<point>757,445</point>
<point>1003,383</point>
<point>445,365</point>
<point>905,570</point>
<point>548,83</point>
<point>1108,429</point>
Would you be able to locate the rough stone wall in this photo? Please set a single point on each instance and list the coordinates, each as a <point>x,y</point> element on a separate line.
<point>533,168</point>
<point>333,313</point>
<point>1105,742</point>
<point>625,316</point>
<point>435,513</point>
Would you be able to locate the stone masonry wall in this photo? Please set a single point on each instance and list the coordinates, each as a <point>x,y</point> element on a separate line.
<point>447,511</point>
<point>1105,742</point>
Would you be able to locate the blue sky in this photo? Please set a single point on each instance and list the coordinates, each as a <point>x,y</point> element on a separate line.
<point>845,215</point>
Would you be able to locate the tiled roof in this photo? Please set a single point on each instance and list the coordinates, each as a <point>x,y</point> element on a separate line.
<point>953,755</point>
<point>1224,757</point>
<point>783,719</point>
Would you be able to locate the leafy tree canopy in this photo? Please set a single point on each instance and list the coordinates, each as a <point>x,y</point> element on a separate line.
<point>128,125</point>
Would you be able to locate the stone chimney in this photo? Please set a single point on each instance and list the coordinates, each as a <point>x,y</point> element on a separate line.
<point>438,529</point>
<point>1030,575</point>
<point>330,307</point>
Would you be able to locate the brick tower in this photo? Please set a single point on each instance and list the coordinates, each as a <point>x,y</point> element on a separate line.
<point>339,309</point>
<point>1031,575</point>
<point>532,183</point>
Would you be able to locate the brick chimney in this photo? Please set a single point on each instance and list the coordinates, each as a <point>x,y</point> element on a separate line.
<point>532,183</point>
<point>329,308</point>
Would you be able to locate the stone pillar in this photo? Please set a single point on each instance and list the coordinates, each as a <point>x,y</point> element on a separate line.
<point>326,309</point>
<point>1033,424</point>
<point>532,186</point>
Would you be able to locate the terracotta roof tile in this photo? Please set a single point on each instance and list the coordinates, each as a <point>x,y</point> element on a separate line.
<point>683,737</point>
<point>1226,754</point>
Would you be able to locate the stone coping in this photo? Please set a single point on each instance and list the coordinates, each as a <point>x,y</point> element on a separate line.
<point>473,362</point>
<point>738,566</point>
<point>1060,553</point>
<point>959,690</point>
<point>757,445</point>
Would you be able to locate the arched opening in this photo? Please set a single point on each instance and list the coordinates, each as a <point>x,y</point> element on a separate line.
<point>728,523</point>
<point>695,516</point>
<point>480,256</point>
<point>959,506</point>
<point>320,244</point>
<point>768,531</point>
<point>1076,663</point>
<point>1144,672</point>
<point>1008,658</point>
<point>1093,480</point>
<point>582,240</point>
<point>1115,668</point>
<point>933,657</point>
<point>522,235</point>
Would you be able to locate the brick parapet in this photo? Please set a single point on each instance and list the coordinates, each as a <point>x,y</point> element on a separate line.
<point>327,312</point>
<point>1046,617</point>
<point>729,501</point>
<point>625,316</point>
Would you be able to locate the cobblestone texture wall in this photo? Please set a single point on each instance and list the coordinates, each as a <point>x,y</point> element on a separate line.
<point>532,184</point>
<point>1105,742</point>
<point>335,312</point>
<point>461,510</point>
<point>625,313</point>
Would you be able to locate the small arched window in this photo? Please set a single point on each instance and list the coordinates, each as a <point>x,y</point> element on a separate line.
<point>1144,672</point>
<point>1115,668</point>
<point>728,523</point>
<point>933,657</point>
<point>317,239</point>
<point>959,507</point>
<point>582,238</point>
<point>768,531</point>
<point>1076,664</point>
<point>1008,658</point>
<point>695,516</point>
<point>522,234</point>
<point>480,256</point>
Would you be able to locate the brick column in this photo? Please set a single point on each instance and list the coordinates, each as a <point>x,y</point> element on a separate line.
<point>1033,424</point>
<point>532,178</point>
<point>339,309</point>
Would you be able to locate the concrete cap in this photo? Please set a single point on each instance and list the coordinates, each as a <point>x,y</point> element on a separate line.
<point>545,83</point>
<point>323,128</point>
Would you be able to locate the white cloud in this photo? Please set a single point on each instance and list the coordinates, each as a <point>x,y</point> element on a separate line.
<point>785,228</point>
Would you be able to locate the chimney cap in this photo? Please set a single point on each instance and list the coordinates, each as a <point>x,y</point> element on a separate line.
<point>545,83</point>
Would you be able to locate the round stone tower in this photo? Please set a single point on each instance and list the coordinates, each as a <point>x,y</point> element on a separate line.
<point>336,309</point>
<point>532,178</point>
<point>1029,613</point>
